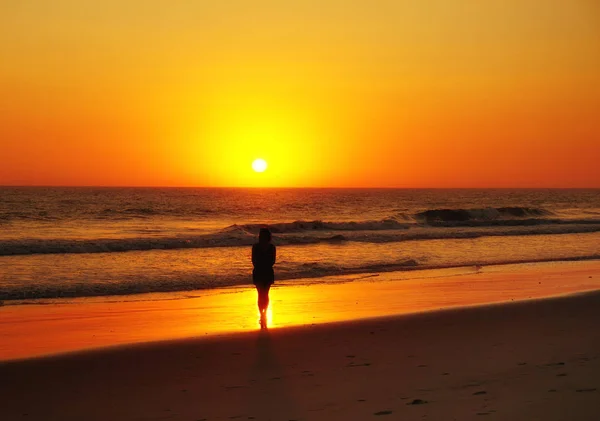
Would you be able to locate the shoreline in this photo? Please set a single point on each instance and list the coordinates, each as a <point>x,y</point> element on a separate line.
<point>39,330</point>
<point>393,274</point>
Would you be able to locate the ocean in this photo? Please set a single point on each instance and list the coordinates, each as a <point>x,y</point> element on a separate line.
<point>58,243</point>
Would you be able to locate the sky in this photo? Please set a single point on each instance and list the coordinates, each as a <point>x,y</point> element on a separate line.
<point>331,93</point>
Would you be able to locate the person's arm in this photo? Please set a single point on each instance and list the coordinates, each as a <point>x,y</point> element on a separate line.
<point>254,257</point>
<point>274,255</point>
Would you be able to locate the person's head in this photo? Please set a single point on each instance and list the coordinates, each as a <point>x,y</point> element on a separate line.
<point>264,236</point>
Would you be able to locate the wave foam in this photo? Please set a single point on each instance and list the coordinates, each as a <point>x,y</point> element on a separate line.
<point>241,237</point>
<point>300,226</point>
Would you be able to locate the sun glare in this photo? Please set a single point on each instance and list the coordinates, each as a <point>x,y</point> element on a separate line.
<point>259,165</point>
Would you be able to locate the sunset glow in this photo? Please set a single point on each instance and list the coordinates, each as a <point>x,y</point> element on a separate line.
<point>340,94</point>
<point>299,209</point>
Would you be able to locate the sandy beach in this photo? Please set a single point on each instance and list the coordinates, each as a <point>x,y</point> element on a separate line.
<point>522,360</point>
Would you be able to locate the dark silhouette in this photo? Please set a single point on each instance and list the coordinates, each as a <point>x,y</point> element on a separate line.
<point>263,259</point>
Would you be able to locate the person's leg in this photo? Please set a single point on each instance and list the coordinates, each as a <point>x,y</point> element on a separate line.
<point>263,297</point>
<point>258,293</point>
<point>266,289</point>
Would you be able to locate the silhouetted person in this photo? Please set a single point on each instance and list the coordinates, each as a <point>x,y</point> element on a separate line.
<point>263,259</point>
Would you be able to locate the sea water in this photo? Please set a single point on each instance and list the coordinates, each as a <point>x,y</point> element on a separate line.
<point>81,242</point>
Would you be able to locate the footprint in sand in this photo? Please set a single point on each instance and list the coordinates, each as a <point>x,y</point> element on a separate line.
<point>358,365</point>
<point>561,374</point>
<point>586,390</point>
<point>473,384</point>
<point>383,413</point>
<point>417,402</point>
<point>481,392</point>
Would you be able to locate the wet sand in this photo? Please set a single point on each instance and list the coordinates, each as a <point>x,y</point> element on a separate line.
<point>527,360</point>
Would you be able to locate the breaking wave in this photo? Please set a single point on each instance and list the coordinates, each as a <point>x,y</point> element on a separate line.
<point>506,216</point>
<point>300,226</point>
<point>294,234</point>
<point>487,214</point>
<point>425,225</point>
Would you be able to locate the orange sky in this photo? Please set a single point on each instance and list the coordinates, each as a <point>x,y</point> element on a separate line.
<point>333,93</point>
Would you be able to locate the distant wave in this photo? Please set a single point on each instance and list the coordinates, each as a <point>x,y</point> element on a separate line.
<point>130,211</point>
<point>297,233</point>
<point>484,214</point>
<point>6,217</point>
<point>299,226</point>
<point>116,214</point>
<point>398,221</point>
<point>433,217</point>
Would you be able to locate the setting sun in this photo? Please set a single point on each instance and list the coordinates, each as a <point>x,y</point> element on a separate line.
<point>259,165</point>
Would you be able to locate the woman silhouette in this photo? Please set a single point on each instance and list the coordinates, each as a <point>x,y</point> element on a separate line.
<point>263,259</point>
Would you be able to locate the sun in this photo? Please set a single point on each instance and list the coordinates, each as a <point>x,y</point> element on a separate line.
<point>259,165</point>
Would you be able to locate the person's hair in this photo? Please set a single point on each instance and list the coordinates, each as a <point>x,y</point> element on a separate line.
<point>264,235</point>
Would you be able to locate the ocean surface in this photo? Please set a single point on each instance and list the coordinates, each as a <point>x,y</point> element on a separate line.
<point>82,242</point>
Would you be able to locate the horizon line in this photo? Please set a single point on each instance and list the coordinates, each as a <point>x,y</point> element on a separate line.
<point>292,187</point>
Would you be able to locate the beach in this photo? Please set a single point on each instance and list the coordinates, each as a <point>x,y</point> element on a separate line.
<point>455,346</point>
<point>299,210</point>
